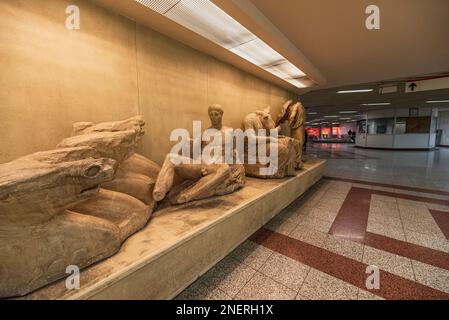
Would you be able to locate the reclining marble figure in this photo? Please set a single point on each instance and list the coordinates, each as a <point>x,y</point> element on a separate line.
<point>188,182</point>
<point>294,114</point>
<point>53,212</point>
<point>287,147</point>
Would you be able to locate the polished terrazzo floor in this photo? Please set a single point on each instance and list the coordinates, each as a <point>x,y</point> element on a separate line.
<point>376,214</point>
<point>425,169</point>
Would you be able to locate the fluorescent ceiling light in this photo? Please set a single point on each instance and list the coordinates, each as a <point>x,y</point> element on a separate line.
<point>301,83</point>
<point>331,116</point>
<point>348,112</point>
<point>160,6</point>
<point>355,91</point>
<point>345,118</point>
<point>258,52</point>
<point>376,104</point>
<point>437,101</point>
<point>206,19</point>
<point>285,70</point>
<point>312,113</point>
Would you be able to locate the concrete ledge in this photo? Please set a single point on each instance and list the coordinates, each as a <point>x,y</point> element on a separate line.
<point>180,243</point>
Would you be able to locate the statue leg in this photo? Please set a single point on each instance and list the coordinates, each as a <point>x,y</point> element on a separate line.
<point>213,177</point>
<point>166,176</point>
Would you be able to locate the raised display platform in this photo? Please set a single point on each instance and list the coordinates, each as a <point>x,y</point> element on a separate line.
<point>181,243</point>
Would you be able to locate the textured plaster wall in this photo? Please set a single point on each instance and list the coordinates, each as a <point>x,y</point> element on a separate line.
<point>110,69</point>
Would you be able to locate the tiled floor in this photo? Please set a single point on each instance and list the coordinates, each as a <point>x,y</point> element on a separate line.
<point>321,245</point>
<point>425,169</point>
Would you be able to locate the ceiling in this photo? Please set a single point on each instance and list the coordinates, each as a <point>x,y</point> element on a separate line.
<point>327,102</point>
<point>328,40</point>
<point>412,40</point>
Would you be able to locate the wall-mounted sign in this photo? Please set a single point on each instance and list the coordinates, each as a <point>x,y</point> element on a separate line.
<point>425,85</point>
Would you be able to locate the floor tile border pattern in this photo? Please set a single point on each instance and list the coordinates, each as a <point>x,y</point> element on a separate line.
<point>442,220</point>
<point>346,269</point>
<point>352,219</point>
<point>379,184</point>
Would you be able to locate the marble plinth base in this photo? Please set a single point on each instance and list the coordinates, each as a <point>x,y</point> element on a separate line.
<point>181,243</point>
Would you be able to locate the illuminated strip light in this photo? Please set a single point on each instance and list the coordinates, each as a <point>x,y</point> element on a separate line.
<point>355,91</point>
<point>376,104</point>
<point>206,19</point>
<point>437,101</point>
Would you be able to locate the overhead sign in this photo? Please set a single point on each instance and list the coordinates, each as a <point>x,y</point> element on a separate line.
<point>426,85</point>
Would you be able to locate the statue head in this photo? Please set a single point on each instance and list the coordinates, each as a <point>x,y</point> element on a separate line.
<point>216,115</point>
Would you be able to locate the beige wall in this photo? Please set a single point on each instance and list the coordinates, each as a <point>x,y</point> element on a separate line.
<point>111,69</point>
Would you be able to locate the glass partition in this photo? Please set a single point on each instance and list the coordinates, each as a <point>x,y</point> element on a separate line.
<point>381,126</point>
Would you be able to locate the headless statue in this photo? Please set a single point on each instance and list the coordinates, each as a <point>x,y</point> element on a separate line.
<point>295,115</point>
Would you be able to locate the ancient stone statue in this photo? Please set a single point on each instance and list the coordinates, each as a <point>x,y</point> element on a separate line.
<point>136,175</point>
<point>295,115</point>
<point>287,147</point>
<point>72,206</point>
<point>187,182</point>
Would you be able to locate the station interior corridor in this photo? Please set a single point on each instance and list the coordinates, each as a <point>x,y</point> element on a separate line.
<point>375,208</point>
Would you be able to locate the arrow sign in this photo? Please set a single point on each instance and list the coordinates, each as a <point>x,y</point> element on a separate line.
<point>427,84</point>
<point>412,86</point>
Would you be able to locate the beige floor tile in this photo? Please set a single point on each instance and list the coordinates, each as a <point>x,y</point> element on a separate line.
<point>281,226</point>
<point>229,275</point>
<point>365,295</point>
<point>385,220</point>
<point>426,240</point>
<point>377,211</point>
<point>418,214</point>
<point>251,254</point>
<point>350,249</point>
<point>307,234</point>
<point>428,227</point>
<point>329,205</point>
<point>383,205</point>
<point>321,286</point>
<point>322,214</point>
<point>411,203</point>
<point>200,290</point>
<point>378,197</point>
<point>261,287</point>
<point>431,276</point>
<point>286,271</point>
<point>385,230</point>
<point>389,262</point>
<point>316,223</point>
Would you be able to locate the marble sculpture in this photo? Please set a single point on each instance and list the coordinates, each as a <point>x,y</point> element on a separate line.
<point>294,114</point>
<point>74,205</point>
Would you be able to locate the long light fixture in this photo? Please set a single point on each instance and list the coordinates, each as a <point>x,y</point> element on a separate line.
<point>437,101</point>
<point>376,104</point>
<point>206,19</point>
<point>347,112</point>
<point>355,91</point>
